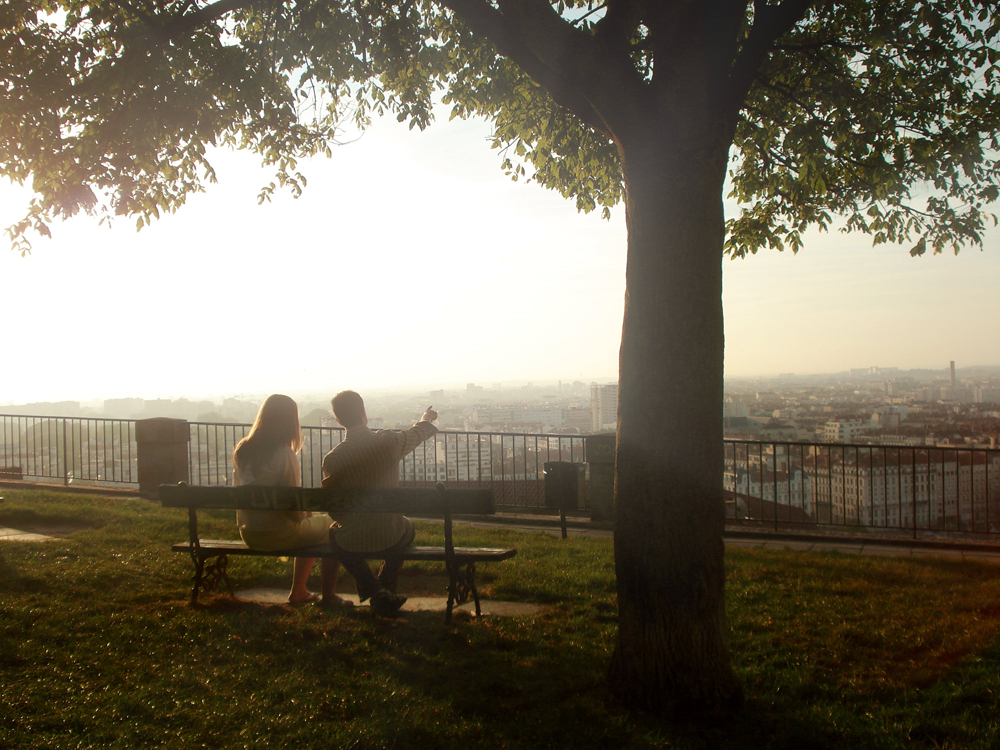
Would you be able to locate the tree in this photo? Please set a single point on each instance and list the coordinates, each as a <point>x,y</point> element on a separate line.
<point>882,113</point>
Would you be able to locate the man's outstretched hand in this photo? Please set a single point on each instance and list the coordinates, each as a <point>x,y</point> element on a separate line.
<point>429,415</point>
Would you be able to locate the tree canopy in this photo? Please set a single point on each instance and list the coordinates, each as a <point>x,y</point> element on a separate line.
<point>884,114</point>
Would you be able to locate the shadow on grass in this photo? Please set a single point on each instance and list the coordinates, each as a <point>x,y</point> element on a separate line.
<point>15,580</point>
<point>501,684</point>
<point>537,683</point>
<point>27,519</point>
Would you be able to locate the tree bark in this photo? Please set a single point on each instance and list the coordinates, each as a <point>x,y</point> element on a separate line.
<point>672,654</point>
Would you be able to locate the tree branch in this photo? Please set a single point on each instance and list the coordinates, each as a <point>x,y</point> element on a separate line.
<point>619,22</point>
<point>770,23</point>
<point>185,23</point>
<point>578,73</point>
<point>589,13</point>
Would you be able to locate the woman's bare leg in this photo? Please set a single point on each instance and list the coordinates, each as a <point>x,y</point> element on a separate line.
<point>301,566</point>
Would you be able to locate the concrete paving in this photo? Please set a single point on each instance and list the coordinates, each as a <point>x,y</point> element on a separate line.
<point>414,603</point>
<point>582,527</point>
<point>16,535</point>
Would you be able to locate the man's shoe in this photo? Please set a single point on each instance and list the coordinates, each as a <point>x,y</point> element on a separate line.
<point>386,604</point>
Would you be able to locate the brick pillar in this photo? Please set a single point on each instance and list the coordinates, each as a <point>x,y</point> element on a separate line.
<point>601,487</point>
<point>162,452</point>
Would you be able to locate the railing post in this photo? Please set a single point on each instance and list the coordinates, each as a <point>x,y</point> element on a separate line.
<point>600,452</point>
<point>65,456</point>
<point>162,452</point>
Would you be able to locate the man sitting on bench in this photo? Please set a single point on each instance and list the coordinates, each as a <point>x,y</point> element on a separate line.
<point>367,459</point>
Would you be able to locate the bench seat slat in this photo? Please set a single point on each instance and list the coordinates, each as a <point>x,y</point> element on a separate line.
<point>430,554</point>
<point>415,501</point>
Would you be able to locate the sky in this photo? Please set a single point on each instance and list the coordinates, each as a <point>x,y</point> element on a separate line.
<point>411,260</point>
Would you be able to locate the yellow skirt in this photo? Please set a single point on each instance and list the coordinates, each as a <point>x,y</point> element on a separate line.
<point>308,531</point>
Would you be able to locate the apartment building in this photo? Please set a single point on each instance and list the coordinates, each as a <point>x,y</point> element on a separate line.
<point>906,487</point>
<point>604,407</point>
<point>842,432</point>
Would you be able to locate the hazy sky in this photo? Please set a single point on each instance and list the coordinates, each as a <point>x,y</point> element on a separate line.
<point>412,259</point>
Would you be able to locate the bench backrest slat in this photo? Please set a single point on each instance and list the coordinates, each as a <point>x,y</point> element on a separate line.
<point>321,499</point>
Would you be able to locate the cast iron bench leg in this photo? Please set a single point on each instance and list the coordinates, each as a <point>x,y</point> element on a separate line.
<point>208,576</point>
<point>470,578</point>
<point>199,573</point>
<point>452,590</point>
<point>460,585</point>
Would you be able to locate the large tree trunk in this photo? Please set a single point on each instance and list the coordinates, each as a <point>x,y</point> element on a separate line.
<point>672,653</point>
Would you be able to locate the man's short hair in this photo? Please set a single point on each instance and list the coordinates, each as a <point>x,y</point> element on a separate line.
<point>348,408</point>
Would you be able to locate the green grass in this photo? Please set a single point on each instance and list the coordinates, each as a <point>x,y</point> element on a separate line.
<point>99,648</point>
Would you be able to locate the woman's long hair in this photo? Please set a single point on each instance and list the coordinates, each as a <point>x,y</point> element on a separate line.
<point>276,426</point>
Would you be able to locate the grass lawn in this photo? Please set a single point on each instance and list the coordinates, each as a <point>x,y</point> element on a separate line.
<point>99,649</point>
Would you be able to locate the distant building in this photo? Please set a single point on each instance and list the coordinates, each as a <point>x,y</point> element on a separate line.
<point>45,409</point>
<point>842,432</point>
<point>159,407</point>
<point>578,417</point>
<point>986,395</point>
<point>904,488</point>
<point>604,407</point>
<point>885,419</point>
<point>123,407</point>
<point>735,409</point>
<point>551,416</point>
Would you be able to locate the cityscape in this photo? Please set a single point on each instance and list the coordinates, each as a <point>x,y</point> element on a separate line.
<point>872,405</point>
<point>878,448</point>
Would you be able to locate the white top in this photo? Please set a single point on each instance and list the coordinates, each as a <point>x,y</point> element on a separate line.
<point>281,470</point>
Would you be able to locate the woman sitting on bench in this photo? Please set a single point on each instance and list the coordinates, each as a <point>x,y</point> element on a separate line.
<point>269,456</point>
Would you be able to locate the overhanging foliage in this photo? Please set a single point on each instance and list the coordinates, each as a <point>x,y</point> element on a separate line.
<point>885,114</point>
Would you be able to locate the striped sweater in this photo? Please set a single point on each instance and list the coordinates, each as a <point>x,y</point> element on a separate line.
<point>371,459</point>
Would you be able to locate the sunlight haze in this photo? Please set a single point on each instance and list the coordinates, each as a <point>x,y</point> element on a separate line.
<point>411,259</point>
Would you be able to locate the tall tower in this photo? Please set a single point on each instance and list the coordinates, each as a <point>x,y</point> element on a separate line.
<point>953,373</point>
<point>603,407</point>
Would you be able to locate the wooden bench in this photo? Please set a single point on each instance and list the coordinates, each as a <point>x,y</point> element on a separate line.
<point>210,556</point>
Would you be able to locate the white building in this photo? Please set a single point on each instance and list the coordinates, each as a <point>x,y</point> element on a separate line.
<point>604,407</point>
<point>905,488</point>
<point>734,409</point>
<point>450,457</point>
<point>548,416</point>
<point>842,432</point>
<point>780,487</point>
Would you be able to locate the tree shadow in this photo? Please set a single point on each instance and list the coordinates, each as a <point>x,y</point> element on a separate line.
<point>553,694</point>
<point>15,581</point>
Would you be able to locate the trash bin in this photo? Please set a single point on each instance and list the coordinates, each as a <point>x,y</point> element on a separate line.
<point>563,485</point>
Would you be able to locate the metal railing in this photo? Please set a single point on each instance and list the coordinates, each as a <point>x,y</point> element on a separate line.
<point>511,464</point>
<point>99,451</point>
<point>104,451</point>
<point>880,489</point>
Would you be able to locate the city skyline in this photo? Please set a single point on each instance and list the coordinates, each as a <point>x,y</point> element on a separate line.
<point>452,274</point>
<point>521,394</point>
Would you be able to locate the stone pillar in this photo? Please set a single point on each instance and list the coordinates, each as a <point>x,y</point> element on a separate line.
<point>601,487</point>
<point>162,452</point>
